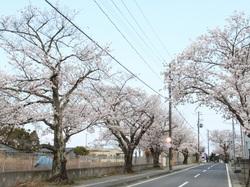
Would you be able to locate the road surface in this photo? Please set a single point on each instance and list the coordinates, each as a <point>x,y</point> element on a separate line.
<point>206,175</point>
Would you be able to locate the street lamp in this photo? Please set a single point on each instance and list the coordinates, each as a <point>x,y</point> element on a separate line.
<point>168,140</point>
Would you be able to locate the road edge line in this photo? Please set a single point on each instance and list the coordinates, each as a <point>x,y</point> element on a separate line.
<point>164,175</point>
<point>228,177</point>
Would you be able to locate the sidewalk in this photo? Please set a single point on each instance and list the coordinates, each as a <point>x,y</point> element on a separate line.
<point>235,177</point>
<point>120,180</point>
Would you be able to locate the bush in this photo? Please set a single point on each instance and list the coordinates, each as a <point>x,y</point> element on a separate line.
<point>80,150</point>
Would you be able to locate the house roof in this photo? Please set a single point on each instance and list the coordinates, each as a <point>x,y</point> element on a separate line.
<point>6,148</point>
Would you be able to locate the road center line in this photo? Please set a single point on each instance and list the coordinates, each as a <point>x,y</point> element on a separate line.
<point>204,171</point>
<point>213,165</point>
<point>183,184</point>
<point>197,175</point>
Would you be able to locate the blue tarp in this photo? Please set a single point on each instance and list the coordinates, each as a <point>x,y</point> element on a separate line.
<point>44,162</point>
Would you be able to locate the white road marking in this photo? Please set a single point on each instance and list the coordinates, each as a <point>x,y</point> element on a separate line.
<point>208,168</point>
<point>204,171</point>
<point>169,174</point>
<point>228,177</point>
<point>109,180</point>
<point>197,175</point>
<point>213,165</point>
<point>93,184</point>
<point>183,184</point>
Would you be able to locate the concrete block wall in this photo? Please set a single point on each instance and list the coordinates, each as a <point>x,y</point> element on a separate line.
<point>9,179</point>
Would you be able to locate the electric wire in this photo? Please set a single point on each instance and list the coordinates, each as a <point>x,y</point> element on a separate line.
<point>119,10</point>
<point>126,39</point>
<point>183,117</point>
<point>140,28</point>
<point>136,32</point>
<point>152,28</point>
<point>163,46</point>
<point>99,46</point>
<point>111,56</point>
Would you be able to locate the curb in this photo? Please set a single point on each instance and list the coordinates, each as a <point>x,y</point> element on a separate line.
<point>148,176</point>
<point>134,179</point>
<point>234,179</point>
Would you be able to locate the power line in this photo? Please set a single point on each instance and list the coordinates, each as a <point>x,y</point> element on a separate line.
<point>119,10</point>
<point>98,45</point>
<point>163,46</point>
<point>140,28</point>
<point>152,28</point>
<point>183,117</point>
<point>126,39</point>
<point>110,55</point>
<point>136,32</point>
<point>146,44</point>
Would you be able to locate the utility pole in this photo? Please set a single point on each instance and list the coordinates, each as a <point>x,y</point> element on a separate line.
<point>242,143</point>
<point>170,116</point>
<point>233,129</point>
<point>198,126</point>
<point>207,142</point>
<point>243,152</point>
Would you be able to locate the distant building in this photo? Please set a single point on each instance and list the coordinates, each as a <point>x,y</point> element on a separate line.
<point>5,149</point>
<point>106,153</point>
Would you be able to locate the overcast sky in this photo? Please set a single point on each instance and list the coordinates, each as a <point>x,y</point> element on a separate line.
<point>176,23</point>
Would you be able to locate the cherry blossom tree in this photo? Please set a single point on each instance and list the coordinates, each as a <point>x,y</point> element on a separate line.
<point>9,115</point>
<point>127,113</point>
<point>53,67</point>
<point>155,138</point>
<point>215,70</point>
<point>223,139</point>
<point>183,139</point>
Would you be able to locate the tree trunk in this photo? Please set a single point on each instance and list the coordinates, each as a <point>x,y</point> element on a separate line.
<point>185,161</point>
<point>197,157</point>
<point>59,172</point>
<point>226,156</point>
<point>128,158</point>
<point>185,155</point>
<point>155,153</point>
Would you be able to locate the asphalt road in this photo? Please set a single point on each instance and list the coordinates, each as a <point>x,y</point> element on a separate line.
<point>206,175</point>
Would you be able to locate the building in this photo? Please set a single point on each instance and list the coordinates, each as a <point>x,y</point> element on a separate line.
<point>5,149</point>
<point>106,153</point>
